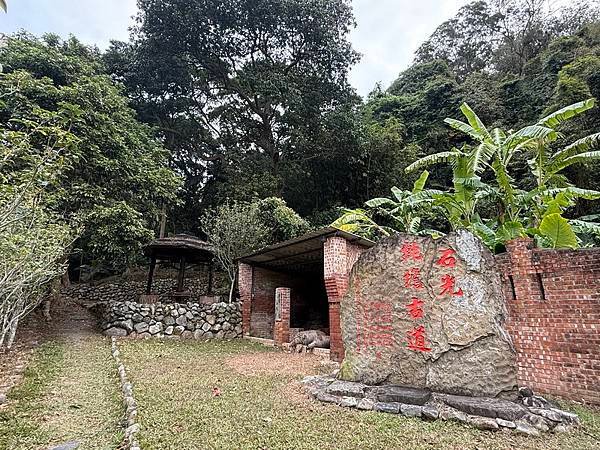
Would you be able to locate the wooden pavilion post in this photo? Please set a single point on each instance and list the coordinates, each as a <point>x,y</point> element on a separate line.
<point>210,277</point>
<point>181,274</point>
<point>151,275</point>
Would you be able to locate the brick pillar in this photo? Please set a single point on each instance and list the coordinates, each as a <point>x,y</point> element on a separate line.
<point>336,283</point>
<point>281,329</point>
<point>523,270</point>
<point>245,279</point>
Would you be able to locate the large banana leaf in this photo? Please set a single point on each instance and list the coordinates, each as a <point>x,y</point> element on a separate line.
<point>579,146</point>
<point>557,230</point>
<point>485,233</point>
<point>399,193</point>
<point>475,121</point>
<point>536,132</point>
<point>380,201</point>
<point>465,128</point>
<point>413,226</point>
<point>582,157</point>
<point>574,192</point>
<point>433,159</point>
<point>510,230</point>
<point>420,183</point>
<point>563,114</point>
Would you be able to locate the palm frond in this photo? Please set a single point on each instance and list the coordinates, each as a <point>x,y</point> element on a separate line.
<point>563,114</point>
<point>3,5</point>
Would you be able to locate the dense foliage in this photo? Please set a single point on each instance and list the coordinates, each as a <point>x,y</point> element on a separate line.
<point>235,229</point>
<point>34,239</point>
<point>114,178</point>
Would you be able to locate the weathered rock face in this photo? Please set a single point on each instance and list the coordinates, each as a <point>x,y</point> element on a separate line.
<point>429,314</point>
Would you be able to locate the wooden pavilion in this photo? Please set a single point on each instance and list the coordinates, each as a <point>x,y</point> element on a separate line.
<point>181,250</point>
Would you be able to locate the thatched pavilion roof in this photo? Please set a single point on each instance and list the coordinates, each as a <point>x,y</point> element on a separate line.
<point>180,245</point>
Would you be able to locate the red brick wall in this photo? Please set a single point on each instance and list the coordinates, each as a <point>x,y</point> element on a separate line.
<point>257,292</point>
<point>553,299</point>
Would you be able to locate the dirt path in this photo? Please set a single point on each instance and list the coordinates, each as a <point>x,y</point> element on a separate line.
<point>69,390</point>
<point>70,322</point>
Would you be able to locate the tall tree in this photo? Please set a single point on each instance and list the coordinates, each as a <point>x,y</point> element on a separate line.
<point>238,87</point>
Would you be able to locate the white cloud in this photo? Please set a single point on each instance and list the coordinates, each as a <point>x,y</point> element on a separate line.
<point>92,21</point>
<point>387,34</point>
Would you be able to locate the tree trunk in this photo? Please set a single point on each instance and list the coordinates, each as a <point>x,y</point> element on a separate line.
<point>163,221</point>
<point>12,333</point>
<point>232,288</point>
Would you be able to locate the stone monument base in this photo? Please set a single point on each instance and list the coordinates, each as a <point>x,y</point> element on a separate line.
<point>529,415</point>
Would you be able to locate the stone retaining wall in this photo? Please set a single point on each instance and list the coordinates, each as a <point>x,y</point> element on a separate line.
<point>123,291</point>
<point>186,320</point>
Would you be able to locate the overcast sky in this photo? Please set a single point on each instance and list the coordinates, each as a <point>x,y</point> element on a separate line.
<point>387,34</point>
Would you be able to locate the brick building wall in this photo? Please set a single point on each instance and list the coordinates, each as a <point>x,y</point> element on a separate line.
<point>257,293</point>
<point>553,300</point>
<point>339,256</point>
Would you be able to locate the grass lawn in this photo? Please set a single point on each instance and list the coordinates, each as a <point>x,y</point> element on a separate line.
<point>70,392</point>
<point>262,406</point>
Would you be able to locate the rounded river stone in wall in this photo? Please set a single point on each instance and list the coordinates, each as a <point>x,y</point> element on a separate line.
<point>430,314</point>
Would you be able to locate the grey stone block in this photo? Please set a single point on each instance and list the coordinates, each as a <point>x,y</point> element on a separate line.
<point>365,404</point>
<point>505,423</point>
<point>430,412</point>
<point>411,410</point>
<point>402,394</point>
<point>347,388</point>
<point>486,407</point>
<point>387,407</point>
<point>349,402</point>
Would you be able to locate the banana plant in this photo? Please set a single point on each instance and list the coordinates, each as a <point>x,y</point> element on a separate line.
<point>524,212</point>
<point>468,163</point>
<point>402,212</point>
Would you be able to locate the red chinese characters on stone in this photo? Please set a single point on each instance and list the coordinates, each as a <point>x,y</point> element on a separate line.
<point>412,278</point>
<point>376,329</point>
<point>411,250</point>
<point>416,339</point>
<point>415,308</point>
<point>448,282</point>
<point>447,259</point>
